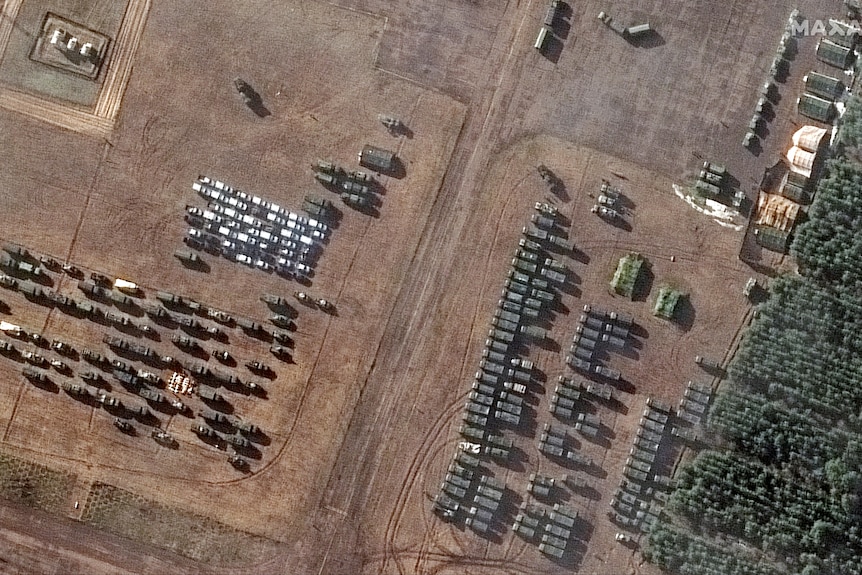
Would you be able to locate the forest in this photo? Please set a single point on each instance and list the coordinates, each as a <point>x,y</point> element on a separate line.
<point>778,488</point>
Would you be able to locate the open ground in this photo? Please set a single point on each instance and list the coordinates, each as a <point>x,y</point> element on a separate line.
<point>365,423</point>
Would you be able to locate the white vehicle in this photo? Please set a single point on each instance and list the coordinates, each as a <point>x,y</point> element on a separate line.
<point>193,233</point>
<point>211,216</point>
<point>258,201</point>
<point>229,246</point>
<point>125,285</point>
<point>262,265</point>
<point>237,204</point>
<point>244,259</point>
<point>7,327</point>
<point>276,208</point>
<point>266,236</point>
<point>192,210</point>
<point>275,219</point>
<point>470,447</point>
<point>197,187</point>
<point>623,537</point>
<point>306,240</point>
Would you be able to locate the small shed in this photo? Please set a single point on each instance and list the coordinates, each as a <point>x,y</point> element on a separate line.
<point>377,159</point>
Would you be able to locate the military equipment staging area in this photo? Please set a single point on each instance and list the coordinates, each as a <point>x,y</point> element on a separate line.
<point>359,420</point>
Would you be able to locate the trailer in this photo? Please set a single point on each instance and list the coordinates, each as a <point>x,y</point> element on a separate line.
<point>534,332</point>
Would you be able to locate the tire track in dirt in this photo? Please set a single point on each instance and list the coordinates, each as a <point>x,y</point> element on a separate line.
<point>121,61</point>
<point>440,424</point>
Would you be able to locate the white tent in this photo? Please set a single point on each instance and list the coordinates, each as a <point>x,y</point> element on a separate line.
<point>808,138</point>
<point>801,161</point>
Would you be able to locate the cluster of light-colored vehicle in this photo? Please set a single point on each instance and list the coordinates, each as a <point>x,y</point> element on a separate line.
<point>253,231</point>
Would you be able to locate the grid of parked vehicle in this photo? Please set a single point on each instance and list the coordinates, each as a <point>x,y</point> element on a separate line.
<point>253,231</point>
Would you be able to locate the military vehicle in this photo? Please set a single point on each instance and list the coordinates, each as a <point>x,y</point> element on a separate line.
<point>524,364</point>
<point>238,441</point>
<point>7,348</point>
<point>59,365</point>
<point>475,419</point>
<point>246,427</point>
<point>542,221</point>
<point>169,298</point>
<point>117,319</point>
<point>164,438</point>
<point>524,266</point>
<point>39,340</point>
<point>62,347</point>
<point>129,380</point>
<point>187,257</point>
<point>500,335</point>
<point>527,256</point>
<point>94,291</point>
<point>249,326</point>
<point>508,315</point>
<point>607,372</point>
<point>215,417</point>
<point>108,401</point>
<point>325,178</point>
<point>507,417</point>
<point>505,325</point>
<point>150,377</point>
<point>204,431</point>
<point>238,462</point>
<point>280,352</point>
<point>92,377</point>
<point>554,276</point>
<point>15,250</point>
<point>391,123</point>
<point>94,357</point>
<point>532,246</point>
<point>220,316</point>
<point>273,300</point>
<point>477,397</point>
<point>8,281</point>
<point>222,355</point>
<point>59,299</point>
<point>209,394</point>
<point>122,299</point>
<point>76,390</point>
<point>707,362</point>
<point>355,200</point>
<point>34,358</point>
<point>534,332</point>
<point>151,395</point>
<point>185,342</point>
<point>518,288</point>
<point>124,426</point>
<point>30,290</point>
<point>493,356</point>
<point>258,367</point>
<point>34,374</point>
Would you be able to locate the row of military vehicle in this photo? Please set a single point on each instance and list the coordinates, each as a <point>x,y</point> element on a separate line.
<point>466,489</point>
<point>502,380</point>
<point>597,328</point>
<point>355,187</point>
<point>550,529</point>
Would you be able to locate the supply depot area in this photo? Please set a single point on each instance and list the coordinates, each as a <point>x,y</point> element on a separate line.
<point>374,287</point>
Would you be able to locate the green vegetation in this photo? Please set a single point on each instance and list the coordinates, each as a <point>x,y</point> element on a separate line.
<point>34,485</point>
<point>195,536</point>
<point>666,302</point>
<point>626,276</point>
<point>786,494</point>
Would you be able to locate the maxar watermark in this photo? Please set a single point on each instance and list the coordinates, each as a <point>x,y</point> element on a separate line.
<point>806,27</point>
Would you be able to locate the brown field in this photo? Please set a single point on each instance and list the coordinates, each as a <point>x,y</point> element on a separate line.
<point>360,430</point>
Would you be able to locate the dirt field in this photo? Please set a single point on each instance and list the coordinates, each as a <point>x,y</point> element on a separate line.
<point>364,425</point>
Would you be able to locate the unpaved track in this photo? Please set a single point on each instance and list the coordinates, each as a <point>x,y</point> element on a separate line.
<point>435,268</point>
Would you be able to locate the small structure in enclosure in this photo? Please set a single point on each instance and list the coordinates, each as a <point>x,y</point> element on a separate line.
<point>70,46</point>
